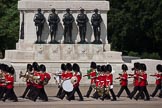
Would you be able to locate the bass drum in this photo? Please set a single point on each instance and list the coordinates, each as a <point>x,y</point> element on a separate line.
<point>67,85</point>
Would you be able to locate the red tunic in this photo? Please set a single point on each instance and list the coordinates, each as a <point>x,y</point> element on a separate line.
<point>63,75</point>
<point>93,75</point>
<point>158,79</point>
<point>42,77</point>
<point>143,80</point>
<point>66,75</point>
<point>47,75</point>
<point>10,81</point>
<point>98,81</point>
<point>78,77</point>
<point>109,80</point>
<point>124,78</point>
<point>102,80</point>
<point>136,79</point>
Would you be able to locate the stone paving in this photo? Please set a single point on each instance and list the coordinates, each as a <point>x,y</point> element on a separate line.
<point>122,102</point>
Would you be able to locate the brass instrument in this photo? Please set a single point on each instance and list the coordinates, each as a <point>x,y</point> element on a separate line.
<point>74,80</point>
<point>25,77</point>
<point>36,79</point>
<point>30,77</point>
<point>2,78</point>
<point>102,90</point>
<point>107,89</point>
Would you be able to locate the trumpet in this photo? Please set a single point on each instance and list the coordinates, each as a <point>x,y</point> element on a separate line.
<point>2,78</point>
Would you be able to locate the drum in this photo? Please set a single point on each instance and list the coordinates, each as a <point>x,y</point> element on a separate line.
<point>67,85</point>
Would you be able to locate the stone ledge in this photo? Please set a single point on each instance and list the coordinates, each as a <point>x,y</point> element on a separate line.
<point>60,5</point>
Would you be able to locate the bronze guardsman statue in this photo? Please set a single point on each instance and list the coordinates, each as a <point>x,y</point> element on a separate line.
<point>53,20</point>
<point>68,20</point>
<point>96,20</point>
<point>82,20</point>
<point>39,20</point>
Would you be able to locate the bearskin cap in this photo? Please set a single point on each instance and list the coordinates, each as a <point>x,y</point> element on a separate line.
<point>93,65</point>
<point>124,67</point>
<point>109,68</point>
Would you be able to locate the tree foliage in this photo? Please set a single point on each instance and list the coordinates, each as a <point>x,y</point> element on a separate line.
<point>9,24</point>
<point>135,25</point>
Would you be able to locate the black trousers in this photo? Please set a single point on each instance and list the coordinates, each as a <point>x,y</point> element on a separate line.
<point>143,89</point>
<point>122,89</point>
<point>43,95</point>
<point>40,92</point>
<point>10,94</point>
<point>160,94</point>
<point>31,93</point>
<point>64,93</point>
<point>76,89</point>
<point>89,91</point>
<point>158,87</point>
<point>59,92</point>
<point>26,91</point>
<point>112,94</point>
<point>95,95</point>
<point>2,91</point>
<point>135,89</point>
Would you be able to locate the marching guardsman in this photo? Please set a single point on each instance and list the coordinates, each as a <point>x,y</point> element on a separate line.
<point>67,75</point>
<point>143,83</point>
<point>160,94</point>
<point>9,80</point>
<point>28,82</point>
<point>45,77</point>
<point>92,73</point>
<point>109,81</point>
<point>102,84</point>
<point>2,80</point>
<point>38,84</point>
<point>77,75</point>
<point>61,76</point>
<point>123,81</point>
<point>96,95</point>
<point>158,79</point>
<point>136,74</point>
<point>36,76</point>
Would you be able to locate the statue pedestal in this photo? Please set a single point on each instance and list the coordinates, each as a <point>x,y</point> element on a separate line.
<point>63,52</point>
<point>52,55</point>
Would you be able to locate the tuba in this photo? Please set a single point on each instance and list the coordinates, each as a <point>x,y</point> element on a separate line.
<point>36,79</point>
<point>107,89</point>
<point>100,91</point>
